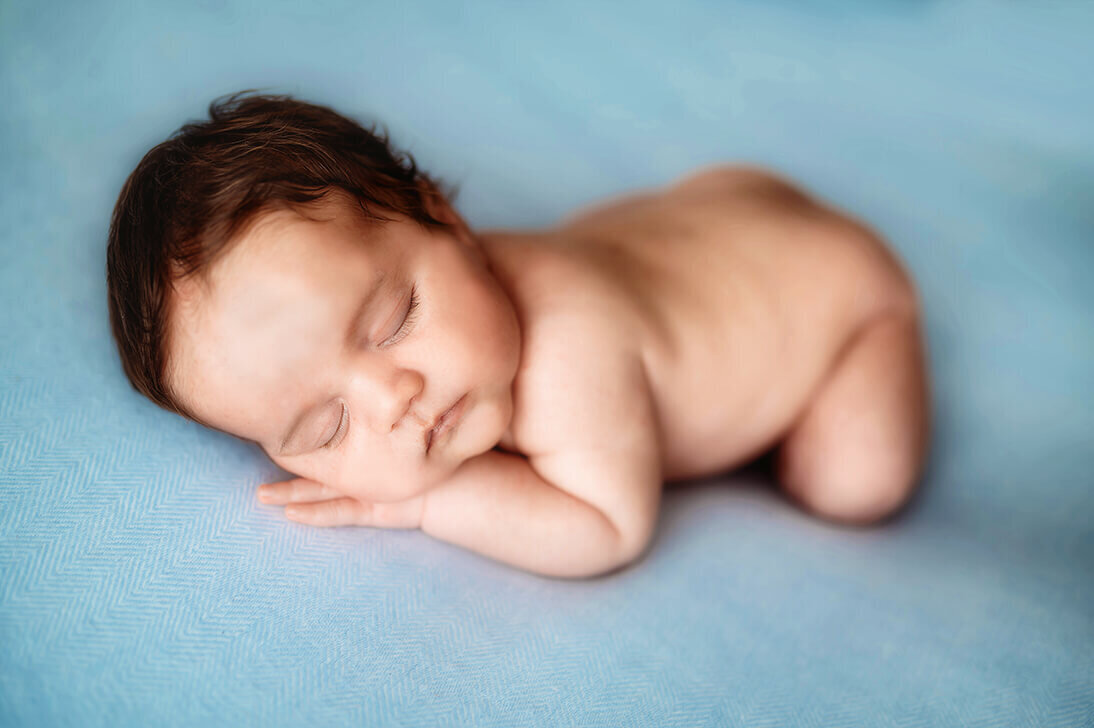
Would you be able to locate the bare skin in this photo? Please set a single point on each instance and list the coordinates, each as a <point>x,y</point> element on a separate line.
<point>668,335</point>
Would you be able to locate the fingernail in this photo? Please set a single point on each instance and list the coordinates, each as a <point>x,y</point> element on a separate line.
<point>292,511</point>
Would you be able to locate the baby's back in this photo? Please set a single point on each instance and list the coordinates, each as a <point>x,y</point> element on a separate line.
<point>739,292</point>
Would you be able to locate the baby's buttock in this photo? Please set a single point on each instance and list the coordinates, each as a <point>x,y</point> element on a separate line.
<point>751,318</point>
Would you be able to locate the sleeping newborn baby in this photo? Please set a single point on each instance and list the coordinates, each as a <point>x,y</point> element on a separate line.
<point>281,274</point>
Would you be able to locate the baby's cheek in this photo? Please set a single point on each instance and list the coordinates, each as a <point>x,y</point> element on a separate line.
<point>301,467</point>
<point>381,479</point>
<point>488,346</point>
<point>454,356</point>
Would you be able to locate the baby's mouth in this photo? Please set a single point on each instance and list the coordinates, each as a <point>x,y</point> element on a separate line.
<point>444,423</point>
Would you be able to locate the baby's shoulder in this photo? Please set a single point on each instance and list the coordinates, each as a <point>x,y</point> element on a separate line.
<point>561,283</point>
<point>581,370</point>
<point>581,379</point>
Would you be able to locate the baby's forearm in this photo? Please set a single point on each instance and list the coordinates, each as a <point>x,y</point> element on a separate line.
<point>497,505</point>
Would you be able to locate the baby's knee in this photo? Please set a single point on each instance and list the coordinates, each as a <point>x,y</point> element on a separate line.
<point>870,501</point>
<point>868,491</point>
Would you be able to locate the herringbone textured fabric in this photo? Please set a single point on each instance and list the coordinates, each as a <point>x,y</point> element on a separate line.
<point>142,583</point>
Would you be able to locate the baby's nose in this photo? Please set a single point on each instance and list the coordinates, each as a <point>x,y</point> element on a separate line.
<point>388,399</point>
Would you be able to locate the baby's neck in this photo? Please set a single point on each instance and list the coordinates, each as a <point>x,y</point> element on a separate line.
<point>509,258</point>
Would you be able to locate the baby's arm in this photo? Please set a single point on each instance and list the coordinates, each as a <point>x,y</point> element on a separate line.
<point>586,499</point>
<point>497,505</point>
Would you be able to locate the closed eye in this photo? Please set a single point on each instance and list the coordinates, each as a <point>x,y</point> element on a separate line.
<point>343,422</point>
<point>408,321</point>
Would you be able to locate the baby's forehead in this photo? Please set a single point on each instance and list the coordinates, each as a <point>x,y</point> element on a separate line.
<point>270,240</point>
<point>234,339</point>
<point>274,274</point>
<point>283,260</point>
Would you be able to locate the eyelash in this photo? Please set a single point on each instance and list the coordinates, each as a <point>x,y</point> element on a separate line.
<point>342,421</point>
<point>408,323</point>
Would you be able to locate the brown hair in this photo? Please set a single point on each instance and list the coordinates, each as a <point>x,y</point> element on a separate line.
<point>190,194</point>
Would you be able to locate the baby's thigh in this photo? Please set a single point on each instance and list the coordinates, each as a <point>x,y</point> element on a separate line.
<point>857,450</point>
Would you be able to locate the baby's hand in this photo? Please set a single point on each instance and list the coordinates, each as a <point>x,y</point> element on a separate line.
<point>316,504</point>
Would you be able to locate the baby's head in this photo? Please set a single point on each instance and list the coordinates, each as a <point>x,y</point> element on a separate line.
<point>280,274</point>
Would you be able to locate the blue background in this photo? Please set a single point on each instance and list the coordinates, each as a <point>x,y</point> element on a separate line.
<point>142,583</point>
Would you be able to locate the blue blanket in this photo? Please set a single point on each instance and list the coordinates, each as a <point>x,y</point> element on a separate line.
<point>143,584</point>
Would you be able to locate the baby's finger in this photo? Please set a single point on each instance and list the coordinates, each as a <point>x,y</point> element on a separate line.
<point>297,490</point>
<point>337,512</point>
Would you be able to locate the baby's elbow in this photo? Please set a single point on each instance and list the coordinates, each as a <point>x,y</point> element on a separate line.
<point>628,550</point>
<point>633,545</point>
<point>636,523</point>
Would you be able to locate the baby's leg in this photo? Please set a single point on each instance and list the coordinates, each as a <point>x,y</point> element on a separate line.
<point>856,452</point>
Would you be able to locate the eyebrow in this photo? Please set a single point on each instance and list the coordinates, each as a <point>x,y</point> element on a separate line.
<point>348,338</point>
